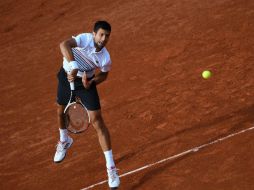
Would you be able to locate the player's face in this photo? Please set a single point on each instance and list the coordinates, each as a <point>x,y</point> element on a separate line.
<point>101,38</point>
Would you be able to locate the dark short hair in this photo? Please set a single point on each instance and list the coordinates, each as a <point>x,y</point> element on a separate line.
<point>101,24</point>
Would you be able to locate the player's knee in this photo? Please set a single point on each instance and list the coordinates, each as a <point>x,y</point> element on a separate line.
<point>97,122</point>
<point>97,119</point>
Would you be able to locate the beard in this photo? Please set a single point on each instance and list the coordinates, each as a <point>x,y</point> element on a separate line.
<point>99,45</point>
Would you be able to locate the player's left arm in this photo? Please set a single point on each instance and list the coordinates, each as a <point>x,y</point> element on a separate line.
<point>99,78</point>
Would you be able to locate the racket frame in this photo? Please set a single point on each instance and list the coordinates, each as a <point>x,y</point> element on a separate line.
<point>73,100</point>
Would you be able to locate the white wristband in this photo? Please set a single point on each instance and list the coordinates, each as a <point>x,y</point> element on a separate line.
<point>74,65</point>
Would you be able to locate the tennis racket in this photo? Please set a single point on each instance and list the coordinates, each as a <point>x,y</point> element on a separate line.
<point>77,118</point>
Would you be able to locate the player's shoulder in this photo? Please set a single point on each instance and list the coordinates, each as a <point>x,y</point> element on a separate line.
<point>106,53</point>
<point>86,36</point>
<point>83,39</point>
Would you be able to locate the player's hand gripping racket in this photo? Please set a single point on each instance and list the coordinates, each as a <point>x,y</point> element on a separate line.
<point>77,116</point>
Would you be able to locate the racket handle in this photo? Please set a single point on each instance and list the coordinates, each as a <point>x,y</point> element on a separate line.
<point>72,85</point>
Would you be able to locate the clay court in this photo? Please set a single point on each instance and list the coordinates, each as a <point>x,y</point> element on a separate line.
<point>155,102</point>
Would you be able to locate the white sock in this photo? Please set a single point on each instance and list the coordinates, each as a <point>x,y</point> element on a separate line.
<point>63,135</point>
<point>109,159</point>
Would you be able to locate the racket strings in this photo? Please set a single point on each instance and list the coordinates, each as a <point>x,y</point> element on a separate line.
<point>78,118</point>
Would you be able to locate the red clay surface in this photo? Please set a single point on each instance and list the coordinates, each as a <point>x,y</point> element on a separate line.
<point>155,102</point>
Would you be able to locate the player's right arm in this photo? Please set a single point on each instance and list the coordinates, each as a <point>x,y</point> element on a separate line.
<point>65,48</point>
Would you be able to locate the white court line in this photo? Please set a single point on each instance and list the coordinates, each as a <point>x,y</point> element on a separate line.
<point>195,149</point>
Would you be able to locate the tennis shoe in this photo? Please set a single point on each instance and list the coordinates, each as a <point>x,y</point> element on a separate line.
<point>61,149</point>
<point>113,178</point>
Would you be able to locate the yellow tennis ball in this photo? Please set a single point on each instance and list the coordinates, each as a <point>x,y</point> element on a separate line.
<point>206,74</point>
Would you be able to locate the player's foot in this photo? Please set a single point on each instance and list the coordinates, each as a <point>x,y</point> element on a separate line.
<point>113,178</point>
<point>61,149</point>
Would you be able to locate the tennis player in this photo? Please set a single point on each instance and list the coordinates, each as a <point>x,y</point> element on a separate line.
<point>96,55</point>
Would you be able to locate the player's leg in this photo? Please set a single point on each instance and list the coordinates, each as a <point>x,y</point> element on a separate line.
<point>91,100</point>
<point>101,129</point>
<point>61,123</point>
<point>63,94</point>
<point>105,142</point>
